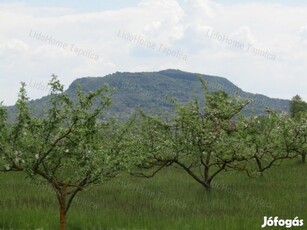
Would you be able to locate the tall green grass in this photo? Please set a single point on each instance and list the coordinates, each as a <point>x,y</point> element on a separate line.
<point>171,200</point>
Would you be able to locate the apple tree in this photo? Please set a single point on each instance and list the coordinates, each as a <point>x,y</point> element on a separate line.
<point>69,147</point>
<point>204,141</point>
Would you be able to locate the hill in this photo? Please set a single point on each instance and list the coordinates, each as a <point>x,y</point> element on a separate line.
<point>150,90</point>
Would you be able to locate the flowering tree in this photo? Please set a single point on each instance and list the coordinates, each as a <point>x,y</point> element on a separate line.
<point>300,135</point>
<point>272,139</point>
<point>68,148</point>
<point>298,111</point>
<point>203,142</point>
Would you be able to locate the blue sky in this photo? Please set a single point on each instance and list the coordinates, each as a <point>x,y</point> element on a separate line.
<point>98,5</point>
<point>272,60</point>
<point>82,5</point>
<point>284,2</point>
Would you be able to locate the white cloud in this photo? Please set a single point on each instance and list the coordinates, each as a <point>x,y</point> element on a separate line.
<point>280,30</point>
<point>243,34</point>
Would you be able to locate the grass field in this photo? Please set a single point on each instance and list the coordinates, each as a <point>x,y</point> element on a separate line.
<point>171,200</point>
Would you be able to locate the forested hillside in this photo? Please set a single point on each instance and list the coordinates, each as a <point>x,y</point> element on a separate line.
<point>151,92</point>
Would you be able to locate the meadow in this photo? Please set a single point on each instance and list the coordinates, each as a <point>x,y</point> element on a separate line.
<point>170,200</point>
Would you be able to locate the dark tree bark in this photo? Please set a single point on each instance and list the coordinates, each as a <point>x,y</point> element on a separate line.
<point>62,218</point>
<point>63,210</point>
<point>303,158</point>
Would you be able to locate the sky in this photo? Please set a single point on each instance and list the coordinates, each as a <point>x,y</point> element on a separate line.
<point>260,46</point>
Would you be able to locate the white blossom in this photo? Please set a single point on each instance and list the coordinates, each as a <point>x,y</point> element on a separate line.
<point>7,167</point>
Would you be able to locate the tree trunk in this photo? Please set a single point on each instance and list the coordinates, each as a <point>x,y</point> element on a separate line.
<point>259,165</point>
<point>207,185</point>
<point>62,217</point>
<point>303,158</point>
<point>208,188</point>
<point>63,211</point>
